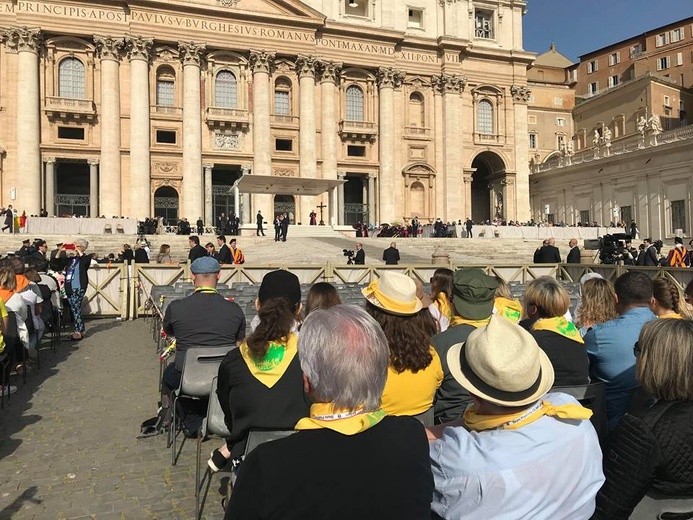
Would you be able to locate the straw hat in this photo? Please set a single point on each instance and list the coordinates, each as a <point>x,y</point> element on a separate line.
<point>502,363</point>
<point>394,293</point>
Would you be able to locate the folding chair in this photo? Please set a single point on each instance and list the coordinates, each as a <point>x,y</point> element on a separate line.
<point>214,425</point>
<point>655,505</point>
<point>4,377</point>
<point>592,396</point>
<point>13,343</point>
<point>48,315</point>
<point>200,367</point>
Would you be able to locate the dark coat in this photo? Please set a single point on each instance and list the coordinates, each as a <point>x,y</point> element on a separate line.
<point>196,252</point>
<point>391,256</point>
<point>548,255</point>
<point>141,256</point>
<point>224,255</point>
<point>574,256</point>
<point>360,257</point>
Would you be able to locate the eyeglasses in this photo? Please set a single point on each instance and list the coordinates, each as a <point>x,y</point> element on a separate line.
<point>636,349</point>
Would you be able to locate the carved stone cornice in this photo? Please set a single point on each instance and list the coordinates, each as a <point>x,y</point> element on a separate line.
<point>191,52</point>
<point>520,93</point>
<point>389,78</point>
<point>329,71</point>
<point>448,84</point>
<point>139,48</point>
<point>109,48</point>
<point>306,66</point>
<point>22,39</point>
<point>261,61</point>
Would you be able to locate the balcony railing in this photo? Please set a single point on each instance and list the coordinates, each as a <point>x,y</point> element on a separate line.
<point>166,112</point>
<point>285,120</point>
<point>68,108</point>
<point>417,131</point>
<point>227,117</point>
<point>486,138</point>
<point>358,130</point>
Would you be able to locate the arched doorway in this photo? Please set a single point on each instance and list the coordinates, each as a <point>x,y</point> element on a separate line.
<point>285,204</point>
<point>487,200</point>
<point>223,201</point>
<point>166,204</point>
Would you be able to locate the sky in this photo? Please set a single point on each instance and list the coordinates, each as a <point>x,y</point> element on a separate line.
<point>581,26</point>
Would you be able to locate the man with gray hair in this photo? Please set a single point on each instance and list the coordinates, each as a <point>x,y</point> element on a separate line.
<point>349,459</point>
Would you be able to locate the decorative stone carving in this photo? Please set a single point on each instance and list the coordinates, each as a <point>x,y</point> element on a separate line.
<point>389,78</point>
<point>191,52</point>
<point>329,71</point>
<point>306,65</point>
<point>448,83</point>
<point>166,167</point>
<point>109,48</point>
<point>93,162</point>
<point>261,61</point>
<point>227,141</point>
<point>166,53</point>
<point>49,160</point>
<point>22,39</point>
<point>245,169</point>
<point>520,93</point>
<point>284,172</point>
<point>138,48</point>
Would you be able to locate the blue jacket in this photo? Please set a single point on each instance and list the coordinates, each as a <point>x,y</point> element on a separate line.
<point>612,360</point>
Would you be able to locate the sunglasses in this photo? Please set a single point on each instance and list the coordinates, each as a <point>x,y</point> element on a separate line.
<point>636,349</point>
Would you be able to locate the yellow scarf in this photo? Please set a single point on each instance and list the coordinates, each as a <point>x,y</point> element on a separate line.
<point>388,303</point>
<point>509,309</point>
<point>673,315</point>
<point>512,421</point>
<point>271,368</point>
<point>560,326</point>
<point>459,320</point>
<point>443,304</point>
<point>347,423</point>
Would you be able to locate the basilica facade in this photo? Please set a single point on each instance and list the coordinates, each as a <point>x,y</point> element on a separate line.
<point>372,111</point>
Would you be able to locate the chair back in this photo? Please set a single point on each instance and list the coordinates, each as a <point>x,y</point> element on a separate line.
<point>592,396</point>
<point>11,335</point>
<point>257,437</point>
<point>200,367</point>
<point>426,418</point>
<point>215,424</point>
<point>47,309</point>
<point>655,505</point>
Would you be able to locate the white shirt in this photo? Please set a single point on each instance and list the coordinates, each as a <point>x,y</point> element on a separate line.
<point>548,469</point>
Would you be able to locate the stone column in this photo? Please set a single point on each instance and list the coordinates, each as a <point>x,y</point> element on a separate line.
<point>236,200</point>
<point>371,198</point>
<point>438,208</point>
<point>261,63</point>
<point>190,54</point>
<point>329,75</point>
<point>467,176</point>
<point>109,125</point>
<point>340,199</point>
<point>27,43</point>
<point>138,50</point>
<point>388,80</point>
<point>305,66</point>
<point>521,95</point>
<point>93,188</point>
<point>209,218</point>
<point>245,199</point>
<point>50,186</point>
<point>452,90</point>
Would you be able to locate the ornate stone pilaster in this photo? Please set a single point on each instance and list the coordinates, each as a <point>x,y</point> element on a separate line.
<point>244,212</point>
<point>50,185</point>
<point>520,93</point>
<point>139,48</point>
<point>191,52</point>
<point>451,87</point>
<point>329,77</point>
<point>110,189</point>
<point>93,187</point>
<point>371,198</point>
<point>329,71</point>
<point>23,39</point>
<point>261,64</point>
<point>306,67</point>
<point>340,199</point>
<point>388,79</point>
<point>209,220</point>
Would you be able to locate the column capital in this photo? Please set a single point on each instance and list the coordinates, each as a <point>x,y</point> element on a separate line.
<point>245,169</point>
<point>139,48</point>
<point>372,176</point>
<point>448,83</point>
<point>306,66</point>
<point>49,160</point>
<point>109,48</point>
<point>208,166</point>
<point>329,71</point>
<point>191,52</point>
<point>261,61</point>
<point>93,162</point>
<point>341,174</point>
<point>22,39</point>
<point>389,78</point>
<point>520,93</point>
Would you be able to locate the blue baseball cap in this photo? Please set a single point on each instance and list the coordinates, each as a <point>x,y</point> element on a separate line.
<point>205,265</point>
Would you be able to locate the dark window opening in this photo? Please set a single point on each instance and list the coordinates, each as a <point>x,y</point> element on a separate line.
<point>356,151</point>
<point>165,137</point>
<point>66,132</point>
<point>284,145</point>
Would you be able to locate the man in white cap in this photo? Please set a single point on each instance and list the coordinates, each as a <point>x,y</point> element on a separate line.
<point>518,453</point>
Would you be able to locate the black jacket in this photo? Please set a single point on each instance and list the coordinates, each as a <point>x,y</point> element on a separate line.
<point>141,256</point>
<point>548,255</point>
<point>649,451</point>
<point>196,252</point>
<point>568,357</point>
<point>574,256</point>
<point>360,257</point>
<point>391,256</point>
<point>224,255</point>
<point>650,258</point>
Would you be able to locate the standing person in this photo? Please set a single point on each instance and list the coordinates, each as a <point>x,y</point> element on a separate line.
<point>610,344</point>
<point>277,227</point>
<point>25,250</point>
<point>58,258</point>
<point>200,226</point>
<point>574,254</point>
<point>126,254</point>
<point>224,255</point>
<point>633,230</point>
<point>391,254</point>
<point>360,256</point>
<point>211,251</point>
<point>22,222</point>
<point>259,220</point>
<point>164,256</point>
<point>9,219</point>
<point>549,253</point>
<point>285,226</point>
<point>469,225</point>
<point>222,223</point>
<point>196,250</point>
<point>650,258</point>
<point>236,224</point>
<point>141,256</point>
<point>415,227</point>
<point>678,255</point>
<point>76,283</point>
<point>313,218</point>
<point>236,254</point>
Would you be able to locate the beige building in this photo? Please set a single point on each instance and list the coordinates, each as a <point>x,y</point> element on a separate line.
<point>376,111</point>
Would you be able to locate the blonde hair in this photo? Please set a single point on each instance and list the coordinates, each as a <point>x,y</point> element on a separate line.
<point>8,280</point>
<point>549,297</point>
<point>503,290</point>
<point>664,366</point>
<point>598,303</point>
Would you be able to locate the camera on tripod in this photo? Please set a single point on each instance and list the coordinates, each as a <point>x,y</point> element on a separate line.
<point>349,253</point>
<point>613,248</point>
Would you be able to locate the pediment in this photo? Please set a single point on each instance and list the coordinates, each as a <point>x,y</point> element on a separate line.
<point>284,8</point>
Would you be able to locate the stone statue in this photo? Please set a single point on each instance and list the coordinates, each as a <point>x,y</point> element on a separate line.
<point>655,126</point>
<point>595,139</point>
<point>642,125</point>
<point>499,205</point>
<point>570,149</point>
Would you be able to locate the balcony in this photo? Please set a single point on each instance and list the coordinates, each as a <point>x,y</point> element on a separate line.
<point>358,130</point>
<point>417,132</point>
<point>284,121</point>
<point>69,109</point>
<point>487,138</point>
<point>231,118</point>
<point>166,112</point>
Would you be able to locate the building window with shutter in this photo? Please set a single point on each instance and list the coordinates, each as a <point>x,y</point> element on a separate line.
<point>71,79</point>
<point>225,90</point>
<point>484,117</point>
<point>354,103</point>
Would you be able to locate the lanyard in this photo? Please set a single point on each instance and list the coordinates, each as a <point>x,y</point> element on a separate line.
<point>337,416</point>
<point>522,417</point>
<point>206,290</point>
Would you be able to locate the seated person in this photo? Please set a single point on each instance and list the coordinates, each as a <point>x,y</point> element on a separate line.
<point>349,459</point>
<point>666,299</point>
<point>415,372</point>
<point>545,303</point>
<point>260,383</point>
<point>518,453</point>
<point>650,451</point>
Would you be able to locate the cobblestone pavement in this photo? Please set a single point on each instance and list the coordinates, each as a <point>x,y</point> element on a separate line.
<point>68,446</point>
